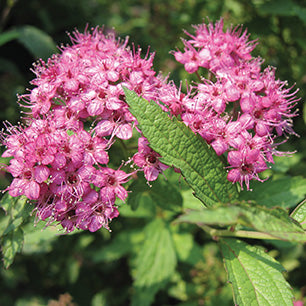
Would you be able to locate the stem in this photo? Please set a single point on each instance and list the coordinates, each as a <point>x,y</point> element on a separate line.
<point>240,234</point>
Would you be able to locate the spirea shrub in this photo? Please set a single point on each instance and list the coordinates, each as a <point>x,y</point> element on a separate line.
<point>77,109</point>
<point>219,133</point>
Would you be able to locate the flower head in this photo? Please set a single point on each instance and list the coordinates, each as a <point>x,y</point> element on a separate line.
<point>57,159</point>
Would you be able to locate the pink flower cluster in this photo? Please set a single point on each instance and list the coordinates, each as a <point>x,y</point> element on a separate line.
<point>239,110</point>
<point>77,109</point>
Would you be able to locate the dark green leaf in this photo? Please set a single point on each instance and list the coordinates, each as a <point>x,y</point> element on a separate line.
<point>11,244</point>
<point>256,277</point>
<point>181,148</point>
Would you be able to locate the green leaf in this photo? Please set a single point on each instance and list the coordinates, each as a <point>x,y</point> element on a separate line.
<point>17,211</point>
<point>145,296</point>
<point>273,222</point>
<point>284,163</point>
<point>157,259</point>
<point>8,36</point>
<point>256,277</point>
<point>161,192</point>
<point>181,148</point>
<point>155,263</point>
<point>11,244</point>
<point>285,192</point>
<point>39,44</point>
<point>299,214</point>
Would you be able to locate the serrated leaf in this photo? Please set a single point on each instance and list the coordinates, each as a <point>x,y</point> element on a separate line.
<point>299,214</point>
<point>285,192</point>
<point>256,277</point>
<point>273,222</point>
<point>39,44</point>
<point>181,148</point>
<point>11,244</point>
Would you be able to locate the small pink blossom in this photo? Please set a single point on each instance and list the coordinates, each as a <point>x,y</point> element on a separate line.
<point>148,160</point>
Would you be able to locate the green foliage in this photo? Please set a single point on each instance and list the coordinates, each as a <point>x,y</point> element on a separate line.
<point>181,148</point>
<point>272,222</point>
<point>285,192</point>
<point>299,214</point>
<point>11,233</point>
<point>255,276</point>
<point>162,193</point>
<point>155,263</point>
<point>11,244</point>
<point>99,268</point>
<point>16,211</point>
<point>38,43</point>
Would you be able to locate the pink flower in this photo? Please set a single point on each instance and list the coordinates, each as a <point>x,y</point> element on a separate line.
<point>148,160</point>
<point>110,183</point>
<point>212,48</point>
<point>246,165</point>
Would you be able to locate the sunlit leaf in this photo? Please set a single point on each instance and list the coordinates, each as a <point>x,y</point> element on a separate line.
<point>155,264</point>
<point>256,277</point>
<point>299,214</point>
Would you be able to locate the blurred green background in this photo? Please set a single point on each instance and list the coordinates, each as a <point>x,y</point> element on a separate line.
<point>68,269</point>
